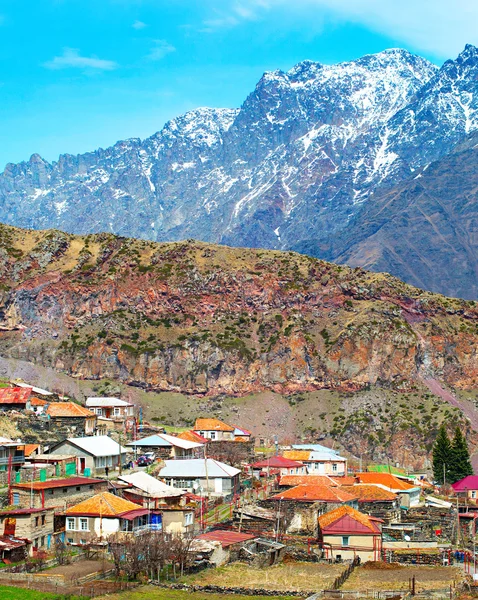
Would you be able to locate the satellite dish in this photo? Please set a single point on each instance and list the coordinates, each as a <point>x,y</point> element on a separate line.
<point>407,538</point>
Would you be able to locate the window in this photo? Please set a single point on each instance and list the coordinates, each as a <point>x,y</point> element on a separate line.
<point>82,541</point>
<point>83,524</point>
<point>345,540</point>
<point>334,467</point>
<point>188,519</point>
<point>51,492</point>
<point>70,523</point>
<point>42,541</point>
<point>37,521</point>
<point>70,540</point>
<point>473,494</point>
<point>78,488</point>
<point>43,519</point>
<point>213,435</point>
<point>117,411</point>
<point>16,498</point>
<point>65,490</point>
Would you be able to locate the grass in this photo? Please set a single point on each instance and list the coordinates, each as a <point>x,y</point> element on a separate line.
<point>282,577</point>
<point>150,592</point>
<point>426,577</point>
<point>18,593</point>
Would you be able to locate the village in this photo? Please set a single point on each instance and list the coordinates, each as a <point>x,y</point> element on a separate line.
<point>117,502</point>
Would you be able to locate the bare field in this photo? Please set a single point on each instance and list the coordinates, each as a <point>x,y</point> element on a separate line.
<point>282,577</point>
<point>397,578</point>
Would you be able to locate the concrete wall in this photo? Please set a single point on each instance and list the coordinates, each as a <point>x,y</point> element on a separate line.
<point>359,545</point>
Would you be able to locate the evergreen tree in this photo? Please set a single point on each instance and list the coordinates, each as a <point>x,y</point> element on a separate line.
<point>460,464</point>
<point>442,457</point>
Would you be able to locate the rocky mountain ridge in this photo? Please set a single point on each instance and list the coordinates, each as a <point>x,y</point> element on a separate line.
<point>296,166</point>
<point>204,319</point>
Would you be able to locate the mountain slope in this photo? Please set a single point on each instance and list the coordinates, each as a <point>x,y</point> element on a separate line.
<point>207,319</point>
<point>293,167</point>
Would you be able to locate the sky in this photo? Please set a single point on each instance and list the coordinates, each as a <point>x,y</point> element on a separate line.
<point>77,75</point>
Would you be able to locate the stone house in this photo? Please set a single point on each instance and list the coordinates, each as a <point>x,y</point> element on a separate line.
<point>93,454</point>
<point>57,493</point>
<point>345,533</point>
<point>15,398</point>
<point>76,418</point>
<point>377,502</point>
<point>202,476</point>
<point>409,494</point>
<point>214,430</point>
<point>103,515</point>
<point>35,524</point>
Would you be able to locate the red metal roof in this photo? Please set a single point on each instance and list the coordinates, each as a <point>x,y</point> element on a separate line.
<point>132,514</point>
<point>346,520</point>
<point>226,538</point>
<point>278,462</point>
<point>15,395</point>
<point>468,483</point>
<point>57,483</point>
<point>22,511</point>
<point>10,542</point>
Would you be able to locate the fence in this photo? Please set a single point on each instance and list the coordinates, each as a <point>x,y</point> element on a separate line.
<point>341,579</point>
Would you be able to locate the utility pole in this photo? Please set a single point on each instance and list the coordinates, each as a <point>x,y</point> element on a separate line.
<point>119,452</point>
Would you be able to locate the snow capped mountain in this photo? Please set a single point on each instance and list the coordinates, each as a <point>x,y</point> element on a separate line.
<point>291,168</point>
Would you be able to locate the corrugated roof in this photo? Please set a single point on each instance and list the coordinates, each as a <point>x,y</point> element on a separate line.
<point>211,425</point>
<point>58,483</point>
<point>15,395</point>
<point>67,409</point>
<point>226,538</point>
<point>163,440</point>
<point>97,445</point>
<point>349,518</point>
<point>151,485</point>
<point>294,480</point>
<point>278,462</point>
<point>389,481</point>
<point>36,390</point>
<point>30,448</point>
<point>315,493</point>
<point>467,483</point>
<point>105,402</point>
<point>7,442</point>
<point>104,504</point>
<point>314,448</point>
<point>371,493</point>
<point>195,467</point>
<point>386,469</point>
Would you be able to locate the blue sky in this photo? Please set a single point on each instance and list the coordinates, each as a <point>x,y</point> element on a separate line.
<point>80,74</point>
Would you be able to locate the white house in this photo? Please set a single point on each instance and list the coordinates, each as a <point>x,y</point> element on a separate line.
<point>93,453</point>
<point>111,408</point>
<point>201,476</point>
<point>167,446</point>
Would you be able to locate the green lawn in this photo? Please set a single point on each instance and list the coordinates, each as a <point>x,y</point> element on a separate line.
<point>18,593</point>
<point>151,592</point>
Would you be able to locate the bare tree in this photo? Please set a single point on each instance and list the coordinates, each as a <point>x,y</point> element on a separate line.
<point>62,553</point>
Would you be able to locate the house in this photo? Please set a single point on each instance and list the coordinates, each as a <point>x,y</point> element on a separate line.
<point>319,463</point>
<point>31,451</point>
<point>241,435</point>
<point>147,491</point>
<point>214,430</point>
<point>93,454</point>
<point>409,494</point>
<point>345,533</point>
<point>111,408</point>
<point>73,416</point>
<point>167,446</point>
<point>202,476</point>
<point>278,465</point>
<point>38,405</point>
<point>192,436</point>
<point>377,502</point>
<point>15,398</point>
<point>12,454</point>
<point>467,488</point>
<point>13,549</point>
<point>34,524</point>
<point>54,492</point>
<point>103,515</point>
<point>335,496</point>
<point>221,547</point>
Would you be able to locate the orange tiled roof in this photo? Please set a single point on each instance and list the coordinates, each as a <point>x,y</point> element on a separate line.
<point>298,455</point>
<point>37,402</point>
<point>104,504</point>
<point>385,479</point>
<point>211,425</point>
<point>192,436</point>
<point>344,480</point>
<point>294,480</point>
<point>68,409</point>
<point>370,493</point>
<point>315,493</point>
<point>30,448</point>
<point>331,517</point>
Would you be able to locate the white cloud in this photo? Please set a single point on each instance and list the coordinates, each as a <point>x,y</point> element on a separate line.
<point>71,59</point>
<point>238,12</point>
<point>160,49</point>
<point>437,26</point>
<point>138,25</point>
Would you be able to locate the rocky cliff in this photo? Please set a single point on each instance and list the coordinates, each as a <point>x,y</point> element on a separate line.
<point>293,168</point>
<point>207,319</point>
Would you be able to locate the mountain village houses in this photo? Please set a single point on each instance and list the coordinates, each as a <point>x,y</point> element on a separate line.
<point>87,486</point>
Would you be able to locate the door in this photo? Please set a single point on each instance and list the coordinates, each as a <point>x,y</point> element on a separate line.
<point>218,485</point>
<point>82,464</point>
